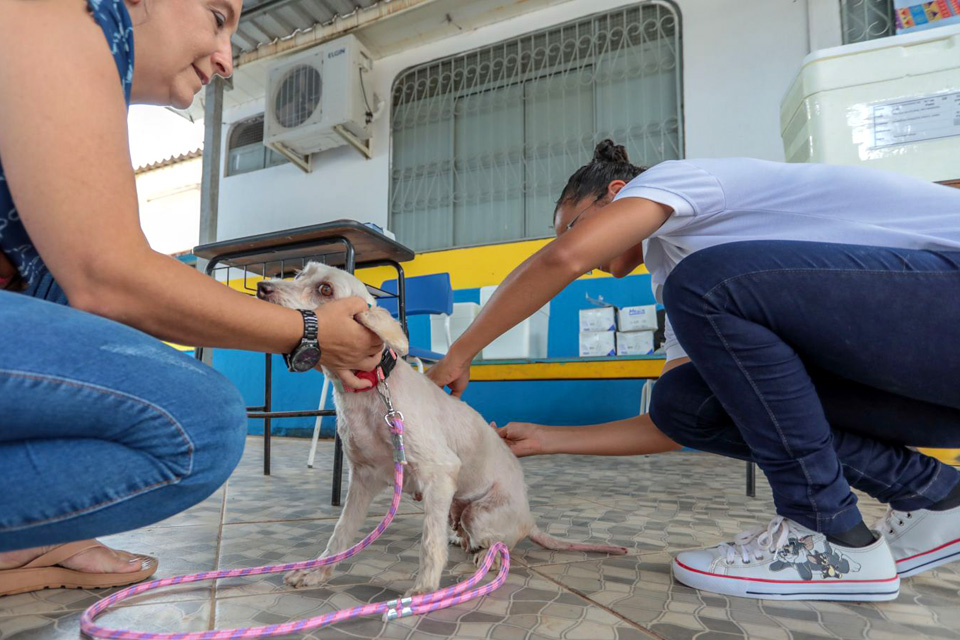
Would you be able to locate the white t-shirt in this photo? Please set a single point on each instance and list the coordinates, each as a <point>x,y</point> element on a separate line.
<point>716,201</point>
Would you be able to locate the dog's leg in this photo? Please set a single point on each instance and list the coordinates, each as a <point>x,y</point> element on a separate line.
<point>438,490</point>
<point>455,533</point>
<point>364,487</point>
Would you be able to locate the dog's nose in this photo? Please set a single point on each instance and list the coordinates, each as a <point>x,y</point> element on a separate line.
<point>264,289</point>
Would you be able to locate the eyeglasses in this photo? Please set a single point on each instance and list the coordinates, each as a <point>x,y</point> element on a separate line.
<point>582,211</point>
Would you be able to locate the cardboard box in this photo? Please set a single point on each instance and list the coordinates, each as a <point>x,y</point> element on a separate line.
<point>920,15</point>
<point>635,343</point>
<point>642,318</point>
<point>598,319</point>
<point>598,343</point>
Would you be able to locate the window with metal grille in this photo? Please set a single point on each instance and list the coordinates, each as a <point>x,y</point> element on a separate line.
<point>246,151</point>
<point>484,141</point>
<point>863,20</point>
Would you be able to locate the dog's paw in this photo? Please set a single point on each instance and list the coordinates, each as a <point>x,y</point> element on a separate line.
<point>420,589</point>
<point>479,555</point>
<point>454,538</point>
<point>306,578</point>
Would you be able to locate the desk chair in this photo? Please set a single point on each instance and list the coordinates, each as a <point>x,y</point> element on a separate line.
<point>424,295</point>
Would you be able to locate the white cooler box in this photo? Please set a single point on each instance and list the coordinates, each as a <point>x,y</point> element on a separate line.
<point>463,314</point>
<point>891,103</point>
<point>525,341</point>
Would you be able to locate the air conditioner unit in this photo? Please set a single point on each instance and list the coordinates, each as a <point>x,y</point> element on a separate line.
<point>319,100</point>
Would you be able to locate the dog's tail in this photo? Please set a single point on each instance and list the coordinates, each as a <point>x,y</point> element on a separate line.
<point>549,542</point>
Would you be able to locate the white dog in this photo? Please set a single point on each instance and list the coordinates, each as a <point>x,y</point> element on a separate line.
<point>467,477</point>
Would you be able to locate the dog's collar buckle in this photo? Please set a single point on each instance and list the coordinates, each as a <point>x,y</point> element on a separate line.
<point>387,362</point>
<point>380,373</point>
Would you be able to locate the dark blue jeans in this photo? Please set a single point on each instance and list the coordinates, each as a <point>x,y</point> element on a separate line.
<point>820,362</point>
<point>103,428</point>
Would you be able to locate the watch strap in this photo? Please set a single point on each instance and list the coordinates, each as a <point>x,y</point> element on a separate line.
<point>310,325</point>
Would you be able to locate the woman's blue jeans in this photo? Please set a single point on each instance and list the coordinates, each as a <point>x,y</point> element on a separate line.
<point>103,428</point>
<point>821,363</point>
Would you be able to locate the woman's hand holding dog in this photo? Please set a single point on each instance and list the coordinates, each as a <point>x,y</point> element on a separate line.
<point>347,345</point>
<point>450,372</point>
<point>523,438</point>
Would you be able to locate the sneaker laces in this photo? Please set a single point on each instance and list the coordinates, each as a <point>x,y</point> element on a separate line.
<point>756,543</point>
<point>891,520</point>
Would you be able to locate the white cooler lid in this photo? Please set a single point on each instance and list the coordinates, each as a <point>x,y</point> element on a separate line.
<point>877,60</point>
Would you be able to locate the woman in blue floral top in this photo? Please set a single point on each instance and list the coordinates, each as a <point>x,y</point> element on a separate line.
<point>103,428</point>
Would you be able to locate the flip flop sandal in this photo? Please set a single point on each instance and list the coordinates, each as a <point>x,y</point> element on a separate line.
<point>44,572</point>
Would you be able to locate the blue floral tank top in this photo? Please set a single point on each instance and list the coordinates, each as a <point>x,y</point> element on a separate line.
<point>113,18</point>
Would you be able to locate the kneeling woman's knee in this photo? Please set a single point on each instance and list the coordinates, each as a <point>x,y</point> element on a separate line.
<point>677,396</point>
<point>217,424</point>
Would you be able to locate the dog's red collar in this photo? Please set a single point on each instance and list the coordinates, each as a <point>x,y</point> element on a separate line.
<point>381,372</point>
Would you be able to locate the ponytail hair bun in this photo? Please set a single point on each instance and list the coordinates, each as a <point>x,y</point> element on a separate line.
<point>609,163</point>
<point>607,151</point>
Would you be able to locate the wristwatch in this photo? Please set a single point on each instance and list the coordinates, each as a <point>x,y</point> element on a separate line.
<point>305,355</point>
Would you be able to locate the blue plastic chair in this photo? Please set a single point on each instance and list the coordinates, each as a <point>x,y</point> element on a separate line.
<point>425,295</point>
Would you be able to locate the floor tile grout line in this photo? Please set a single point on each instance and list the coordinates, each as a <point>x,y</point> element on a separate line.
<point>212,620</point>
<point>230,524</point>
<point>67,609</point>
<point>628,555</point>
<point>593,602</point>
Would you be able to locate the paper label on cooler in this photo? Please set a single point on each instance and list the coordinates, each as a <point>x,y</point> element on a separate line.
<point>915,120</point>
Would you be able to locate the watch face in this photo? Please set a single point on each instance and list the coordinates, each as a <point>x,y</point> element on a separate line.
<point>306,358</point>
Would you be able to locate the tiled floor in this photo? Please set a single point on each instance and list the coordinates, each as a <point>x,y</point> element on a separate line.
<point>655,506</point>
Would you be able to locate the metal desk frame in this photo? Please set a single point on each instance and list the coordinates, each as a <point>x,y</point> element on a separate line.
<point>300,251</point>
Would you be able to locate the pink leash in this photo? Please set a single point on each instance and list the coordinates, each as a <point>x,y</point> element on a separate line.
<point>390,610</point>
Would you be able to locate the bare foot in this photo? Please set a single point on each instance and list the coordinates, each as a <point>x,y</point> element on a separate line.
<point>96,560</point>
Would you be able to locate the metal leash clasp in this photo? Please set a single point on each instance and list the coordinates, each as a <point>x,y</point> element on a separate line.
<point>394,420</point>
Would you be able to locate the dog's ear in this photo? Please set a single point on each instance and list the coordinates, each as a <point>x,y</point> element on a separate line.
<point>379,320</point>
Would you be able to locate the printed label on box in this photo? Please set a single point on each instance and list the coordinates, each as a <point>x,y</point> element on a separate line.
<point>635,343</point>
<point>917,15</point>
<point>598,319</point>
<point>642,318</point>
<point>598,343</point>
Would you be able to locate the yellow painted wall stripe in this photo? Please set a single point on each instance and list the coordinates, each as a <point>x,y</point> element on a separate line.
<point>573,370</point>
<point>946,456</point>
<point>472,267</point>
<point>469,268</point>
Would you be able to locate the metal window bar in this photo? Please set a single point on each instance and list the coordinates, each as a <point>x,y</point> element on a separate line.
<point>246,151</point>
<point>863,20</point>
<point>484,141</point>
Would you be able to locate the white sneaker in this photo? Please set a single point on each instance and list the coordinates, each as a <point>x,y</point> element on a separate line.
<point>787,561</point>
<point>921,540</point>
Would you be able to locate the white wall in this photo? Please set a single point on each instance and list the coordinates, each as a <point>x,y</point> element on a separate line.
<point>739,57</point>
<point>170,206</point>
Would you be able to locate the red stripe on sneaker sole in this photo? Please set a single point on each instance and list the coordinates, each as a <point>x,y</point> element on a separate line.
<point>718,575</point>
<point>943,546</point>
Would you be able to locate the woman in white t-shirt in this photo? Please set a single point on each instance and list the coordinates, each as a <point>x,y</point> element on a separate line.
<point>793,339</point>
